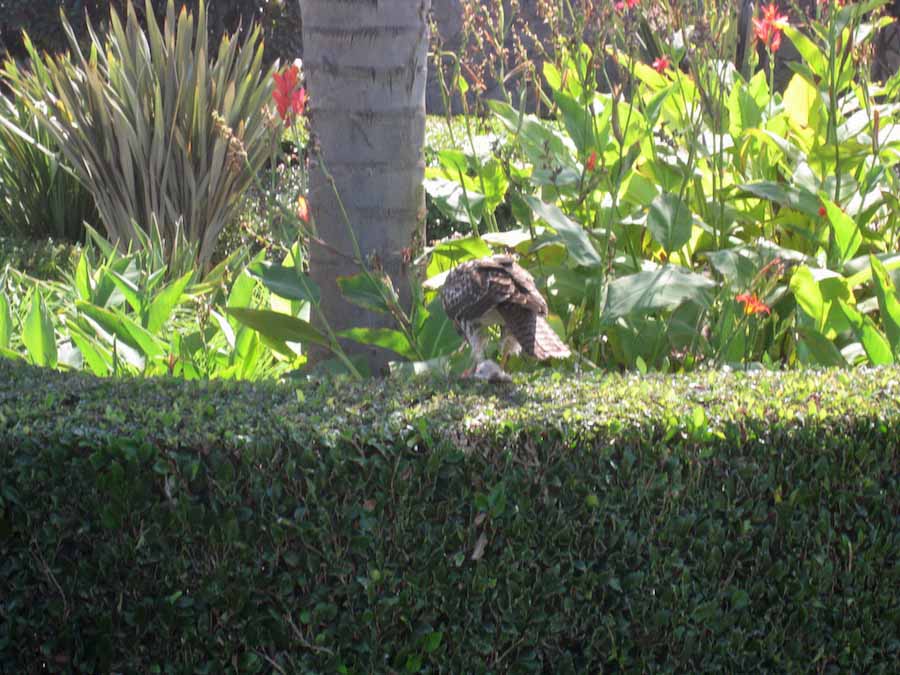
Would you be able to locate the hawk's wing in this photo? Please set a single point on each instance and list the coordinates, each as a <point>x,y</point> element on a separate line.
<point>474,288</point>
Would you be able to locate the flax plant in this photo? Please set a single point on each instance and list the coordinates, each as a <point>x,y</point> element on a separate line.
<point>134,117</point>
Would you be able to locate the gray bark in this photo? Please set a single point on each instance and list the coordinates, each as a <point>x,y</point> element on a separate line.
<point>366,64</point>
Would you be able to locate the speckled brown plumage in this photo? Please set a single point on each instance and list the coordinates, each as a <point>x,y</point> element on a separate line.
<point>493,290</point>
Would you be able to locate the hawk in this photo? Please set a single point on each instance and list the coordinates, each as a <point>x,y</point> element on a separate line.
<point>479,293</point>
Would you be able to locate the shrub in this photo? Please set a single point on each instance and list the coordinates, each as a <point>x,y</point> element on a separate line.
<point>717,523</point>
<point>39,195</point>
<point>162,135</point>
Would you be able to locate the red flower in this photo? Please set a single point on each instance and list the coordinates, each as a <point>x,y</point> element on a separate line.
<point>752,304</point>
<point>768,28</point>
<point>289,100</point>
<point>591,163</point>
<point>622,4</point>
<point>661,64</point>
<point>822,211</point>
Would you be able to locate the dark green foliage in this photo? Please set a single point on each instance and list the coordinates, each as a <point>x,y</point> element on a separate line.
<point>39,258</point>
<point>40,19</point>
<point>718,523</point>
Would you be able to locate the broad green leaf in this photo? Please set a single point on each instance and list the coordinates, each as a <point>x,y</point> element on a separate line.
<point>803,105</point>
<point>10,354</point>
<point>806,292</point>
<point>38,335</point>
<point>509,239</point>
<point>381,337</point>
<point>888,303</point>
<point>669,221</point>
<point>737,265</point>
<point>553,76</point>
<point>493,183</point>
<point>120,349</point>
<point>124,328</point>
<point>278,327</point>
<point>224,327</point>
<point>437,336</point>
<point>5,322</point>
<point>459,202</point>
<point>91,352</point>
<point>579,123</point>
<point>576,239</point>
<point>817,291</point>
<point>454,161</point>
<point>433,641</point>
<point>819,350</point>
<point>241,294</point>
<point>368,291</point>
<point>785,195</point>
<point>847,237</point>
<point>811,54</point>
<point>129,290</point>
<point>83,277</point>
<point>450,253</point>
<point>743,111</point>
<point>878,349</point>
<point>165,301</point>
<point>538,141</point>
<point>654,291</point>
<point>286,282</point>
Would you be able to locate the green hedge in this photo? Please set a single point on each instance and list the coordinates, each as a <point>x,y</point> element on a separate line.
<point>727,523</point>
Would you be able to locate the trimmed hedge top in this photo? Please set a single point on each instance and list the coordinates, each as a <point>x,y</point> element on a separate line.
<point>169,413</point>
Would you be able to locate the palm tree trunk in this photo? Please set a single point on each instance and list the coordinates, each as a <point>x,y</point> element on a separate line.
<point>365,63</point>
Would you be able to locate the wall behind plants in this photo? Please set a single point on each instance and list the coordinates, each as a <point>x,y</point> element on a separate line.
<point>40,19</point>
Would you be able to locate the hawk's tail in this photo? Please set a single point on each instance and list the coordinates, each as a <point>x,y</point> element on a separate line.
<point>533,333</point>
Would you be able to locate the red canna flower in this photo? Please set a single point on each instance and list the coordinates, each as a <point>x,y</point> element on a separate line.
<point>289,100</point>
<point>768,28</point>
<point>622,4</point>
<point>752,304</point>
<point>661,64</point>
<point>591,163</point>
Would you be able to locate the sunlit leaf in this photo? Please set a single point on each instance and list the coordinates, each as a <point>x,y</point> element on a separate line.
<point>38,334</point>
<point>819,349</point>
<point>287,282</point>
<point>381,337</point>
<point>450,253</point>
<point>165,301</point>
<point>5,322</point>
<point>786,195</point>
<point>125,328</point>
<point>888,303</point>
<point>806,292</point>
<point>810,52</point>
<point>280,327</point>
<point>654,291</point>
<point>877,348</point>
<point>847,237</point>
<point>368,291</point>
<point>83,277</point>
<point>669,221</point>
<point>576,239</point>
